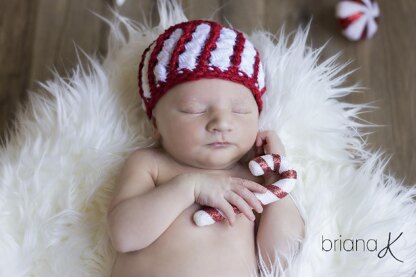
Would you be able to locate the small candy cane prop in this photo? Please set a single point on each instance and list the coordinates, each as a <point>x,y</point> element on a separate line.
<point>262,165</point>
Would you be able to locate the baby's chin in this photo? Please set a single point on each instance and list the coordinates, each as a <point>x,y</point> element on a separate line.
<point>217,162</point>
<point>223,159</point>
<point>216,165</point>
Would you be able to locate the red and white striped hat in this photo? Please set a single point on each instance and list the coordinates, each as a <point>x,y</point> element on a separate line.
<point>198,49</point>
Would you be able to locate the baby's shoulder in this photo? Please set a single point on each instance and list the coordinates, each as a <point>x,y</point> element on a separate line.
<point>155,160</point>
<point>145,153</point>
<point>150,157</point>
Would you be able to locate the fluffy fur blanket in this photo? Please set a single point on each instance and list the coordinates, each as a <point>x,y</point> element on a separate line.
<point>58,170</point>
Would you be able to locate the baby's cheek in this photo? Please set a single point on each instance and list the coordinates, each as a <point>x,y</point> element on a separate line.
<point>250,130</point>
<point>188,134</point>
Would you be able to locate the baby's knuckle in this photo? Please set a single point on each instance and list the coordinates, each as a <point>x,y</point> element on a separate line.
<point>252,199</point>
<point>227,195</point>
<point>251,196</point>
<point>237,197</point>
<point>234,186</point>
<point>229,181</point>
<point>244,182</point>
<point>238,188</point>
<point>245,191</point>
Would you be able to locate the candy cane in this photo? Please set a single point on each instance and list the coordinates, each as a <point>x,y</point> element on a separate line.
<point>262,165</point>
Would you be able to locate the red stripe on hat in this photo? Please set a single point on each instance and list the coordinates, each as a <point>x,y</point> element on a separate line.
<point>152,63</point>
<point>256,79</point>
<point>238,50</point>
<point>256,66</point>
<point>188,30</point>
<point>141,92</point>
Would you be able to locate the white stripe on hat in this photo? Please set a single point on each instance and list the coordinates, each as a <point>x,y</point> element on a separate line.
<point>145,80</point>
<point>164,55</point>
<point>260,76</point>
<point>220,56</point>
<point>194,47</point>
<point>248,58</point>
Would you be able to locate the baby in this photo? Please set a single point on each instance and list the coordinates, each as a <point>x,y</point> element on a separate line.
<point>201,86</point>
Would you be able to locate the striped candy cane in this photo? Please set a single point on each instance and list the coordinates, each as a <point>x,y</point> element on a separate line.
<point>262,165</point>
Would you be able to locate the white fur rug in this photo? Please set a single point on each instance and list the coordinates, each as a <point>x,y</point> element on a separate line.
<point>57,172</point>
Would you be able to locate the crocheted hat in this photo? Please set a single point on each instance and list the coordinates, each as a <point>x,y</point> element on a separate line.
<point>194,50</point>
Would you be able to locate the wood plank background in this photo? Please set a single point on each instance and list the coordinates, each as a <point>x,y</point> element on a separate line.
<point>38,35</point>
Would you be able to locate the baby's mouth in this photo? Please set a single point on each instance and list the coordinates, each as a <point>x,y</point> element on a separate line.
<point>219,144</point>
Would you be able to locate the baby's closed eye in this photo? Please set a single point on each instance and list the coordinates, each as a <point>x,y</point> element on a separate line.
<point>199,108</point>
<point>241,111</point>
<point>193,109</point>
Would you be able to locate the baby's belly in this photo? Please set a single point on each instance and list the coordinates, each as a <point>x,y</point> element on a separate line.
<point>185,249</point>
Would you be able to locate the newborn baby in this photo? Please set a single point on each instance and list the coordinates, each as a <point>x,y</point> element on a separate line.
<point>201,86</point>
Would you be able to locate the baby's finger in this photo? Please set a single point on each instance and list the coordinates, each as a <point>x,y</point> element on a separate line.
<point>262,138</point>
<point>228,211</point>
<point>258,140</point>
<point>250,198</point>
<point>253,186</point>
<point>242,205</point>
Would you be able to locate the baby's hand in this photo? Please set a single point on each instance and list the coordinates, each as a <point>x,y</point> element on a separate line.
<point>221,192</point>
<point>268,142</point>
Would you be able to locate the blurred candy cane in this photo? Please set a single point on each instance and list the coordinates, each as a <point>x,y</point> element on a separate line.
<point>262,165</point>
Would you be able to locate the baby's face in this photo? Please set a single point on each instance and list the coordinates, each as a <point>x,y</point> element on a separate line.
<point>195,117</point>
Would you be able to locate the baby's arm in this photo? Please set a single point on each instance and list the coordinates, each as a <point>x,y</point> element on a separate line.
<point>141,212</point>
<point>280,227</point>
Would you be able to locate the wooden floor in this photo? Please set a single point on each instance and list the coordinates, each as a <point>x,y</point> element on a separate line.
<point>37,35</point>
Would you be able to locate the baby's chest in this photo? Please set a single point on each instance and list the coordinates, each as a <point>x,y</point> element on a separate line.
<point>168,171</point>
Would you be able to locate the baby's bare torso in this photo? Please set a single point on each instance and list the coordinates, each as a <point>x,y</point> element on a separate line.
<point>185,249</point>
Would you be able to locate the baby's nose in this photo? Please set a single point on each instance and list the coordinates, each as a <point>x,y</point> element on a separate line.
<point>220,123</point>
<point>222,127</point>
